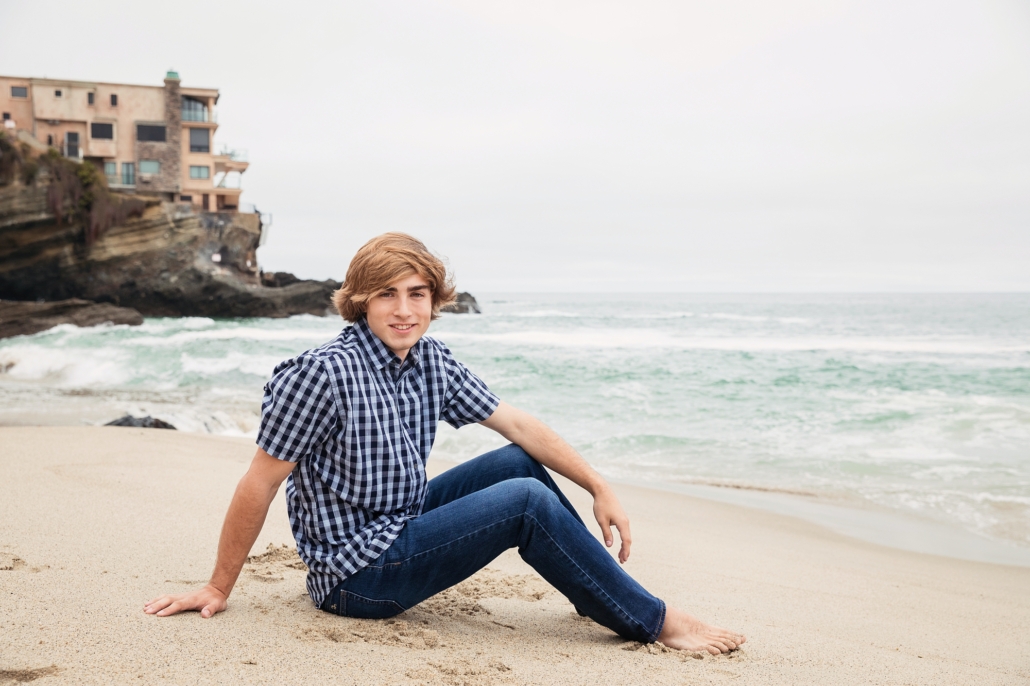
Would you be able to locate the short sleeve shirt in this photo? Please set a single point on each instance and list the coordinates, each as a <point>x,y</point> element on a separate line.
<point>360,424</point>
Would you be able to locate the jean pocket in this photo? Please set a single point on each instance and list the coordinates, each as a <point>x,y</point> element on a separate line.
<point>347,604</point>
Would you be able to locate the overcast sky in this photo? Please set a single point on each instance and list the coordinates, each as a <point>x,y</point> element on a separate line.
<point>573,145</point>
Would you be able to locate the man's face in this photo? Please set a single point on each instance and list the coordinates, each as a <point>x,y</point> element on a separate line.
<point>400,313</point>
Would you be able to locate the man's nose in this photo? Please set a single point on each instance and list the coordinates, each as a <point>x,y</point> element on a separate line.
<point>403,306</point>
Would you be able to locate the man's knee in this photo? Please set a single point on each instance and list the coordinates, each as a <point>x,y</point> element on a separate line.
<point>527,466</point>
<point>535,495</point>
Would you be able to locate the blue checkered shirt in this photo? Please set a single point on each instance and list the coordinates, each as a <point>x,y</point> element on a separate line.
<point>360,425</point>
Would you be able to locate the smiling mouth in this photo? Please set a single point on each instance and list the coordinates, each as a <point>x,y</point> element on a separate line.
<point>402,327</point>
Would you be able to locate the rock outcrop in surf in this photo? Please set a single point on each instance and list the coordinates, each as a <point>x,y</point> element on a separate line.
<point>26,318</point>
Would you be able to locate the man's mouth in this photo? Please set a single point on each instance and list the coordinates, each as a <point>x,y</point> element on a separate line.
<point>402,327</point>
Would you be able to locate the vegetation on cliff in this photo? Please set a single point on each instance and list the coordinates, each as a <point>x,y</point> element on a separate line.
<point>77,193</point>
<point>14,159</point>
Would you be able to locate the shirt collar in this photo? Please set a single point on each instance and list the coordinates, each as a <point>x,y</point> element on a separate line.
<point>380,355</point>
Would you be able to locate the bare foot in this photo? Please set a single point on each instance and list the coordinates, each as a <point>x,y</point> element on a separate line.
<point>684,631</point>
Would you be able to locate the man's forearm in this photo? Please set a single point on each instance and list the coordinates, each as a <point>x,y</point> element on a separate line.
<point>550,450</point>
<point>547,448</point>
<point>243,523</point>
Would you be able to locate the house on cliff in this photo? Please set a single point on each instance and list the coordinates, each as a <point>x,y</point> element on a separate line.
<point>149,140</point>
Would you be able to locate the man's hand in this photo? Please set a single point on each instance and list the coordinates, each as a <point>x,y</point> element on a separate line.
<point>209,600</point>
<point>608,512</point>
<point>243,522</point>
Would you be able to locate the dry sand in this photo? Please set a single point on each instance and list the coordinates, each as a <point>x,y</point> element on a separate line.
<point>95,521</point>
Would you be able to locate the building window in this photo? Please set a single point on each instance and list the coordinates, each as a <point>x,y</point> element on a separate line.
<point>57,93</point>
<point>148,132</point>
<point>186,198</point>
<point>19,91</point>
<point>128,174</point>
<point>89,98</point>
<point>7,115</point>
<point>193,109</point>
<point>49,139</point>
<point>71,144</point>
<point>149,167</point>
<point>200,140</point>
<point>114,100</point>
<point>98,130</point>
<point>200,172</point>
<point>111,171</point>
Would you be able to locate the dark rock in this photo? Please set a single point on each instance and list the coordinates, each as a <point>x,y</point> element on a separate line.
<point>278,279</point>
<point>24,318</point>
<point>141,423</point>
<point>463,304</point>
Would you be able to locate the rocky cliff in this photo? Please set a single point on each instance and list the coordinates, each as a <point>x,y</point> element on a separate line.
<point>167,261</point>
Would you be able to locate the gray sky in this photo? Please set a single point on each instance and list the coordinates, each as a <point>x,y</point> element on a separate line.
<point>546,145</point>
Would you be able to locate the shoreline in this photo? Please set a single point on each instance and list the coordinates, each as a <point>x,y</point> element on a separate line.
<point>862,521</point>
<point>96,520</point>
<point>854,518</point>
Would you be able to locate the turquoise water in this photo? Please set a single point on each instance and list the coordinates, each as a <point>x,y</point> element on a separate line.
<point>909,403</point>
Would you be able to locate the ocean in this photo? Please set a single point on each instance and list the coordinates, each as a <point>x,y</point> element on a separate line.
<point>907,409</point>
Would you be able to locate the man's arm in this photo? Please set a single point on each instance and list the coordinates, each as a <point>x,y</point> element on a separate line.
<point>550,450</point>
<point>243,523</point>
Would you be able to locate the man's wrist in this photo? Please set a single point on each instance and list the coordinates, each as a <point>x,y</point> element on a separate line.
<point>597,486</point>
<point>223,588</point>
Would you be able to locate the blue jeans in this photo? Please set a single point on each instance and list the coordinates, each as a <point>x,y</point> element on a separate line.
<point>476,511</point>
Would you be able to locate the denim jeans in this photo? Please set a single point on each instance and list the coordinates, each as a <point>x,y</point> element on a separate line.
<point>476,511</point>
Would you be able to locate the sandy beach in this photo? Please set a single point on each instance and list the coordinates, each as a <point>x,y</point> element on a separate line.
<point>94,521</point>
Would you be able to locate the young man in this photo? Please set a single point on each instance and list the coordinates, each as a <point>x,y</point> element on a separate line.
<point>351,424</point>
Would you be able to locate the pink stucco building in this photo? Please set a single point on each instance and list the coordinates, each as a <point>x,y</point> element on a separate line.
<point>154,140</point>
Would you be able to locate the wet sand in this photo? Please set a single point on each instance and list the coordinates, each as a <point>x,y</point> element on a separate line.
<point>95,520</point>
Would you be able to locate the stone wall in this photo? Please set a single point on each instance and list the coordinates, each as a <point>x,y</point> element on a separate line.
<point>169,153</point>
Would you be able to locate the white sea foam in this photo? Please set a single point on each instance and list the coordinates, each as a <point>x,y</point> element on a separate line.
<point>64,367</point>
<point>734,317</point>
<point>650,338</point>
<point>250,333</point>
<point>165,325</point>
<point>655,315</point>
<point>537,314</point>
<point>257,365</point>
<point>728,316</point>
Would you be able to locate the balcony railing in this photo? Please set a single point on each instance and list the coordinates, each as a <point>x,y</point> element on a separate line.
<point>234,154</point>
<point>230,180</point>
<point>203,115</point>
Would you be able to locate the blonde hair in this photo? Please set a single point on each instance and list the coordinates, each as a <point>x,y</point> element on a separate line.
<point>383,260</point>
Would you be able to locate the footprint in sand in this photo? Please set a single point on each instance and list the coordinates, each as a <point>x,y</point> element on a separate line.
<point>460,602</point>
<point>658,648</point>
<point>463,599</point>
<point>10,562</point>
<point>23,676</point>
<point>395,632</point>
<point>273,564</point>
<point>462,671</point>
